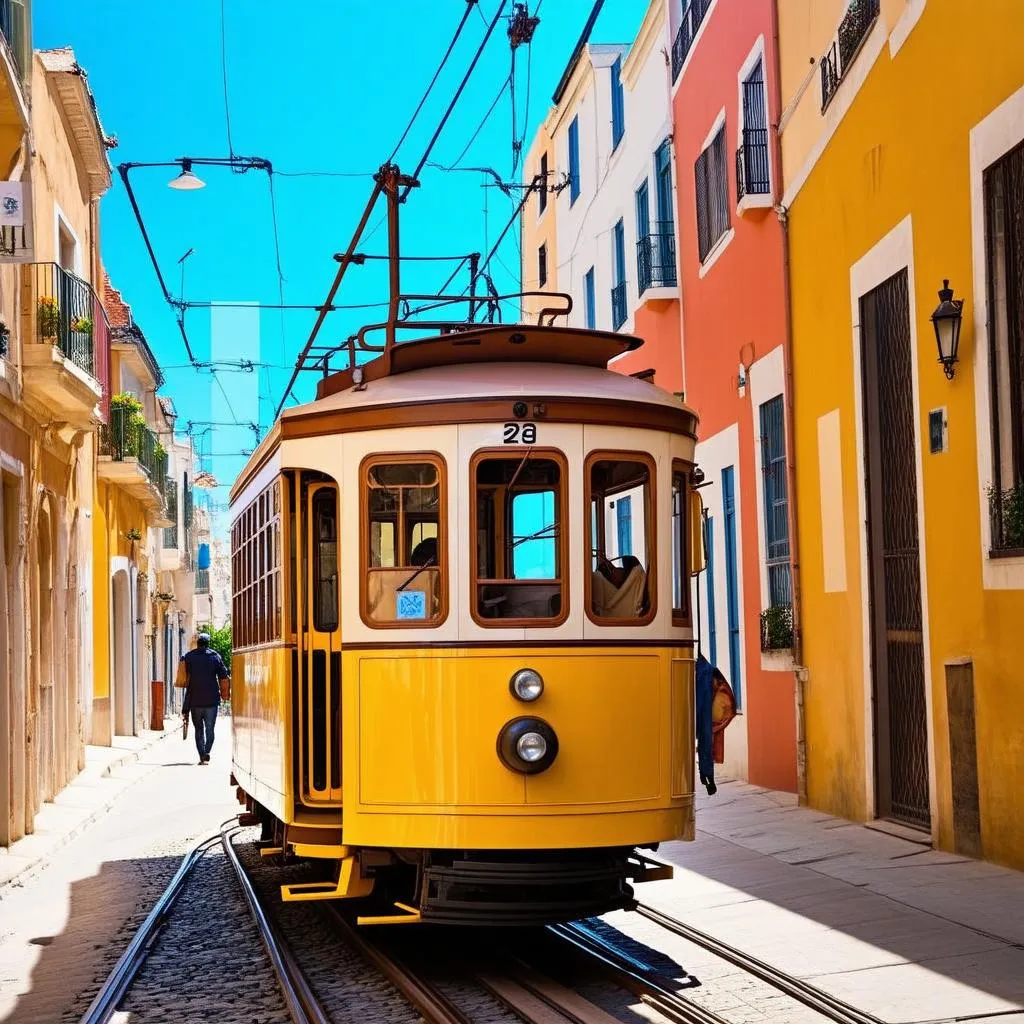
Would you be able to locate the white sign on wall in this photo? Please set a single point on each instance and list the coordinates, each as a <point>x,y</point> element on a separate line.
<point>12,210</point>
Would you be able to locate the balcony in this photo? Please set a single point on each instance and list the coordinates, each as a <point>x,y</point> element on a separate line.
<point>202,581</point>
<point>656,265</point>
<point>618,305</point>
<point>132,458</point>
<point>66,355</point>
<point>688,27</point>
<point>753,175</point>
<point>853,30</point>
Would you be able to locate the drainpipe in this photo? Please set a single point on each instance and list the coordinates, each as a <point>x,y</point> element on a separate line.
<point>799,669</point>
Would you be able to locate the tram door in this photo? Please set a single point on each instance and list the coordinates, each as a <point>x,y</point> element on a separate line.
<point>318,680</point>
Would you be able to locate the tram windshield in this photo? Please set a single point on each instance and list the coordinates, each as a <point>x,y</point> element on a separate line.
<point>519,510</point>
<point>621,535</point>
<point>404,574</point>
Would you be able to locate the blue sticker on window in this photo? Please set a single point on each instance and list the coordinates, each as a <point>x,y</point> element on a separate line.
<point>411,604</point>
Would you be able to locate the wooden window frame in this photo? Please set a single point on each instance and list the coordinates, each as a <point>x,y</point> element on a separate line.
<point>254,570</point>
<point>561,519</point>
<point>650,526</point>
<point>400,459</point>
<point>683,616</point>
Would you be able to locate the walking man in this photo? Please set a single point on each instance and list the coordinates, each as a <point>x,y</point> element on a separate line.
<point>205,670</point>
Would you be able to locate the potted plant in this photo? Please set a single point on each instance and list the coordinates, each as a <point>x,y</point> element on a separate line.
<point>127,421</point>
<point>777,628</point>
<point>48,314</point>
<point>82,325</point>
<point>133,535</point>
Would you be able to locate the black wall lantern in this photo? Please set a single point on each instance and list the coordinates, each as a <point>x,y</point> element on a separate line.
<point>947,319</point>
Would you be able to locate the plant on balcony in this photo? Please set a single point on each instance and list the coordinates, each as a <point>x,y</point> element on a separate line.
<point>82,325</point>
<point>1008,512</point>
<point>777,628</point>
<point>48,314</point>
<point>126,413</point>
<point>5,338</point>
<point>133,535</point>
<point>159,453</point>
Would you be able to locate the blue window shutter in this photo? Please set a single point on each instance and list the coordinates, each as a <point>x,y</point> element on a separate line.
<point>590,299</point>
<point>776,502</point>
<point>732,584</point>
<point>709,555</point>
<point>574,161</point>
<point>620,253</point>
<point>624,525</point>
<point>618,104</point>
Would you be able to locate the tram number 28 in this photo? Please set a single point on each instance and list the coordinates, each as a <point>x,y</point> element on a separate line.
<point>519,433</point>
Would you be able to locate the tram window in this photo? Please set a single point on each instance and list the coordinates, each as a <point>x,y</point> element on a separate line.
<point>325,561</point>
<point>256,571</point>
<point>404,556</point>
<point>519,523</point>
<point>680,574</point>
<point>621,587</point>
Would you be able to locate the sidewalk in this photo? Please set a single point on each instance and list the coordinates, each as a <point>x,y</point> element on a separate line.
<point>108,772</point>
<point>902,931</point>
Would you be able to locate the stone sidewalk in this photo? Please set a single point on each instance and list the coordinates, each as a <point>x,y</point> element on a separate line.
<point>107,773</point>
<point>897,929</point>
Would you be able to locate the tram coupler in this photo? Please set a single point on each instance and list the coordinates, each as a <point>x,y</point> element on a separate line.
<point>248,818</point>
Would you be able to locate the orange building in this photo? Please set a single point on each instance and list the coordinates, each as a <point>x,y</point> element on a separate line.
<point>732,278</point>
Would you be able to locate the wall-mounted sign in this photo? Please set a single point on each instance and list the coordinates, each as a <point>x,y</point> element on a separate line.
<point>12,207</point>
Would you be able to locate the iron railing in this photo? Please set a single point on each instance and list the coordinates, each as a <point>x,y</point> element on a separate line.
<point>188,557</point>
<point>687,32</point>
<point>656,260</point>
<point>126,436</point>
<point>1006,514</point>
<point>853,30</point>
<point>752,172</point>
<point>171,507</point>
<point>69,315</point>
<point>618,305</point>
<point>12,27</point>
<point>202,581</point>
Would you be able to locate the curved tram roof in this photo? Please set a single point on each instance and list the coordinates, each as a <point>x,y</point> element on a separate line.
<point>475,376</point>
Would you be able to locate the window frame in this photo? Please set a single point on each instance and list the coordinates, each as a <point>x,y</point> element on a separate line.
<point>510,452</point>
<point>765,412</point>
<point>542,264</point>
<point>704,160</point>
<point>392,459</point>
<point>257,574</point>
<point>650,526</point>
<point>542,193</point>
<point>573,142</point>
<point>590,300</point>
<point>618,103</point>
<point>683,616</point>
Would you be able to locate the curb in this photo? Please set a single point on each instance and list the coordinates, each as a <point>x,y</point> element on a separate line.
<point>30,870</point>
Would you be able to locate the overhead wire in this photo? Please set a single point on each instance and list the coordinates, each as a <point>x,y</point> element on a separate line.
<point>479,128</point>
<point>224,73</point>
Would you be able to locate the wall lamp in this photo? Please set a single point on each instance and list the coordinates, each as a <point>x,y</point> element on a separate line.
<point>947,320</point>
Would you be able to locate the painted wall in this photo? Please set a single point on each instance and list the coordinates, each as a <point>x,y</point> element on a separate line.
<point>889,191</point>
<point>733,313</point>
<point>538,228</point>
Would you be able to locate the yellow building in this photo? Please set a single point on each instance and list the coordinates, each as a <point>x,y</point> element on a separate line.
<point>537,223</point>
<point>903,153</point>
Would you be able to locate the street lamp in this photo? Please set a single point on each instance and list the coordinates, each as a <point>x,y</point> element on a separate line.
<point>947,320</point>
<point>186,181</point>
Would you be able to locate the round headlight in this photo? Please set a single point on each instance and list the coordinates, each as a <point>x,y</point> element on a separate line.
<point>526,684</point>
<point>531,747</point>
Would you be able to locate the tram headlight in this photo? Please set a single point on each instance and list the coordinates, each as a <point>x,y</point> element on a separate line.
<point>527,745</point>
<point>526,684</point>
<point>531,747</point>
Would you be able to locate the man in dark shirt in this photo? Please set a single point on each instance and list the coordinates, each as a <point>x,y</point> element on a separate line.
<point>202,694</point>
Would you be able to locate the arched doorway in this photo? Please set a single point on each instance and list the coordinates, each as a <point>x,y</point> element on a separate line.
<point>121,668</point>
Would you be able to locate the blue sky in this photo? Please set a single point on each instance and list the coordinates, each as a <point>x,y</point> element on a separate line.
<point>314,85</point>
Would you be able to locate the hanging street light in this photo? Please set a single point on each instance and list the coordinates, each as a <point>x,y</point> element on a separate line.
<point>947,320</point>
<point>186,181</point>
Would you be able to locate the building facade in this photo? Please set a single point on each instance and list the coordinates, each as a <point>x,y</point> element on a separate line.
<point>732,276</point>
<point>898,177</point>
<point>608,236</point>
<point>54,373</point>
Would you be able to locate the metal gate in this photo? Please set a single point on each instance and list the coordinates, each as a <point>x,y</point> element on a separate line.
<point>901,725</point>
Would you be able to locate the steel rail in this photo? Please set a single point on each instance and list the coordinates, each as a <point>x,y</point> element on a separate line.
<point>113,990</point>
<point>303,1005</point>
<point>803,992</point>
<point>434,1005</point>
<point>635,976</point>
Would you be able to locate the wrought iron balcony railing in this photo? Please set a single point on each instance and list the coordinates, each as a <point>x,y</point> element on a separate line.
<point>853,30</point>
<point>687,32</point>
<point>618,305</point>
<point>171,507</point>
<point>656,260</point>
<point>202,581</point>
<point>69,315</point>
<point>127,437</point>
<point>752,170</point>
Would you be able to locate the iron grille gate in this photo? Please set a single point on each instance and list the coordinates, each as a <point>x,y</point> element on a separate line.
<point>901,725</point>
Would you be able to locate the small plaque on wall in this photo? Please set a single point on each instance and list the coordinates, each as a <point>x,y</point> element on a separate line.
<point>938,431</point>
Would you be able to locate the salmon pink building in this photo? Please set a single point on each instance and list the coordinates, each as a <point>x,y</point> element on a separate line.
<point>732,281</point>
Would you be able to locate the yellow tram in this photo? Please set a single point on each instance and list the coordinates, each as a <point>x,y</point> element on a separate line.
<point>464,666</point>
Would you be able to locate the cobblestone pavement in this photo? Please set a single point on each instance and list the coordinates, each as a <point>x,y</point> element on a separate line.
<point>64,928</point>
<point>209,962</point>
